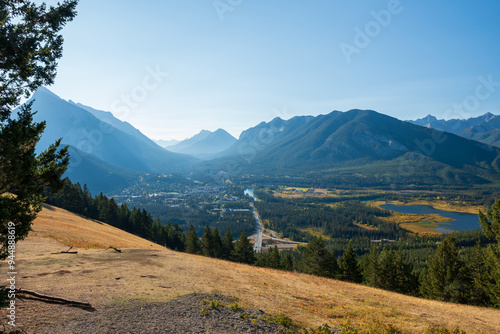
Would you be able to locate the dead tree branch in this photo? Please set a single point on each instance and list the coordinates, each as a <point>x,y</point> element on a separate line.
<point>116,249</point>
<point>66,252</point>
<point>56,299</point>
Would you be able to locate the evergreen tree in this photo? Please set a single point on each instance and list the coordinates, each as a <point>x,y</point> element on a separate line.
<point>318,260</point>
<point>446,278</point>
<point>490,224</point>
<point>227,245</point>
<point>493,262</point>
<point>274,258</point>
<point>388,270</point>
<point>179,239</point>
<point>349,267</point>
<point>287,262</point>
<point>406,281</point>
<point>480,277</point>
<point>371,272</point>
<point>243,250</point>
<point>207,243</point>
<point>192,241</point>
<point>217,244</point>
<point>30,45</point>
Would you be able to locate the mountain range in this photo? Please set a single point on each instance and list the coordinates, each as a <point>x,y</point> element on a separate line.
<point>360,147</point>
<point>167,143</point>
<point>204,145</point>
<point>103,147</point>
<point>362,142</point>
<point>485,128</point>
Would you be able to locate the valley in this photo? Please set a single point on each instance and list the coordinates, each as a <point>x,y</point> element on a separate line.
<point>234,167</point>
<point>299,196</point>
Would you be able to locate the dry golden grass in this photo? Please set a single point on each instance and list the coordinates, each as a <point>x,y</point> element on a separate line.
<point>76,231</point>
<point>105,277</point>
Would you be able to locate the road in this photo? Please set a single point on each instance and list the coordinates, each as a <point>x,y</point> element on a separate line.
<point>259,229</point>
<point>257,246</point>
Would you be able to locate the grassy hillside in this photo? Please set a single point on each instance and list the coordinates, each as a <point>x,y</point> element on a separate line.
<point>150,273</point>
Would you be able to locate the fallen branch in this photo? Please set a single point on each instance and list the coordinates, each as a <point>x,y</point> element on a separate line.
<point>66,252</point>
<point>56,299</point>
<point>116,249</point>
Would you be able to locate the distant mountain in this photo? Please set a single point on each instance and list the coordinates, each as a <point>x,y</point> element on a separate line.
<point>186,143</point>
<point>108,117</point>
<point>167,143</point>
<point>97,174</point>
<point>485,128</point>
<point>359,141</point>
<point>205,145</point>
<point>261,136</point>
<point>103,144</point>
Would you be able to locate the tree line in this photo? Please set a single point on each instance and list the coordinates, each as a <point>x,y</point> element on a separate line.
<point>78,199</point>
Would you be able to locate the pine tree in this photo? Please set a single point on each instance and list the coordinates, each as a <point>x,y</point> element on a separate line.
<point>30,45</point>
<point>349,267</point>
<point>318,260</point>
<point>227,245</point>
<point>480,276</point>
<point>179,242</point>
<point>490,224</point>
<point>217,244</point>
<point>287,262</point>
<point>207,244</point>
<point>243,250</point>
<point>274,258</point>
<point>371,272</point>
<point>388,270</point>
<point>446,278</point>
<point>192,241</point>
<point>406,281</point>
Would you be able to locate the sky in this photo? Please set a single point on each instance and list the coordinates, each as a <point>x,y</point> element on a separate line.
<point>174,67</point>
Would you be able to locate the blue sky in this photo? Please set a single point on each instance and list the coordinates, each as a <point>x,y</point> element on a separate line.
<point>174,67</point>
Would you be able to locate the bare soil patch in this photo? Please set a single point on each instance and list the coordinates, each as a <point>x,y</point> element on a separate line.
<point>193,313</point>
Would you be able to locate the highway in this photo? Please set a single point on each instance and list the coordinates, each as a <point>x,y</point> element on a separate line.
<point>257,246</point>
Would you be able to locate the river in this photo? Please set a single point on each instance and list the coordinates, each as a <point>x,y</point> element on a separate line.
<point>249,192</point>
<point>461,221</point>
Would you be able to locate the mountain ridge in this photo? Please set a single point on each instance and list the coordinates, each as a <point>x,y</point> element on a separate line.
<point>484,128</point>
<point>356,138</point>
<point>105,150</point>
<point>205,145</point>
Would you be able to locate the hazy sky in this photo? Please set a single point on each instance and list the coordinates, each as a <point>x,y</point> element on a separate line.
<point>174,67</point>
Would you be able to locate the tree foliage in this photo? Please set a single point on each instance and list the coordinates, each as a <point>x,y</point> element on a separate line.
<point>446,279</point>
<point>243,250</point>
<point>30,45</point>
<point>491,228</point>
<point>349,267</point>
<point>192,241</point>
<point>318,260</point>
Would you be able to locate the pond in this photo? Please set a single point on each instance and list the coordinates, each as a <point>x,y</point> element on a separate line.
<point>461,221</point>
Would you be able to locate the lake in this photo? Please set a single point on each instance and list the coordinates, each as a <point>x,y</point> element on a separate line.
<point>461,221</point>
